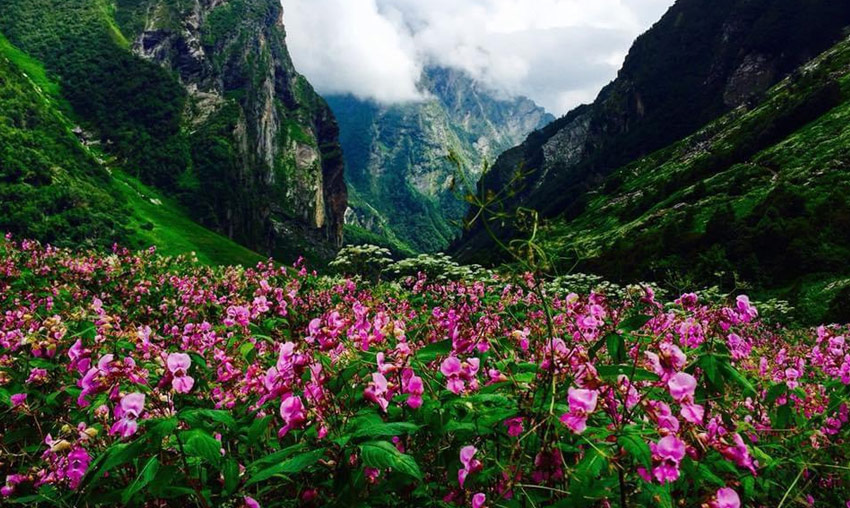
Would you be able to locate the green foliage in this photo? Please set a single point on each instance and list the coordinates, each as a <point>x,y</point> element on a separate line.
<point>133,104</point>
<point>51,188</point>
<point>756,200</point>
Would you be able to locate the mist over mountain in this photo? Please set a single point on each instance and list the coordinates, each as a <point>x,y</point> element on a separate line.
<point>402,185</point>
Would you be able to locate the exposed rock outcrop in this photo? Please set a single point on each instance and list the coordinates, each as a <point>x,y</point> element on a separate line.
<point>277,159</point>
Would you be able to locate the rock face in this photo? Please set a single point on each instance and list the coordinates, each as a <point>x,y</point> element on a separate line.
<point>267,163</point>
<point>403,186</point>
<point>703,58</point>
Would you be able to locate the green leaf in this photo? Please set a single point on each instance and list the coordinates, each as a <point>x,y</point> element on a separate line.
<point>616,347</point>
<point>739,378</point>
<point>116,455</point>
<point>198,417</point>
<point>274,457</point>
<point>383,455</point>
<point>430,352</point>
<point>294,465</point>
<point>591,353</point>
<point>246,349</point>
<point>160,428</point>
<point>660,495</point>
<point>231,476</point>
<point>383,429</point>
<point>783,417</point>
<point>634,323</point>
<point>145,476</point>
<point>637,448</point>
<point>709,364</point>
<point>612,372</point>
<point>200,444</point>
<point>259,426</point>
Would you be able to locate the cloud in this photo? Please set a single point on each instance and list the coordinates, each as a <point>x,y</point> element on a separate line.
<point>348,46</point>
<point>558,52</point>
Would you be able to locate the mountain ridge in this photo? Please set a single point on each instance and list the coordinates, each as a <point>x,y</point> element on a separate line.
<point>701,59</point>
<point>199,98</point>
<point>403,184</point>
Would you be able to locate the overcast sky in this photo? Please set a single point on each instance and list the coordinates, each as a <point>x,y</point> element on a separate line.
<point>560,53</point>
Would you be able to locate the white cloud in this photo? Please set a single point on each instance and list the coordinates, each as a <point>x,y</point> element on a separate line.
<point>558,52</point>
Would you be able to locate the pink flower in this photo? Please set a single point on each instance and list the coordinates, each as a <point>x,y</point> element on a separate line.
<point>745,309</point>
<point>412,385</point>
<point>18,399</point>
<point>371,474</point>
<point>37,376</point>
<point>78,463</point>
<point>582,403</point>
<point>377,390</point>
<point>470,465</point>
<point>668,361</point>
<point>726,498</point>
<point>292,412</point>
<point>250,502</point>
<point>478,500</point>
<point>128,412</point>
<point>11,481</point>
<point>514,426</point>
<point>693,413</point>
<point>178,364</point>
<point>460,373</point>
<point>740,454</point>
<point>682,386</point>
<point>667,454</point>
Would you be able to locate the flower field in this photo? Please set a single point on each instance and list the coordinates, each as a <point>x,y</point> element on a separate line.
<point>139,380</point>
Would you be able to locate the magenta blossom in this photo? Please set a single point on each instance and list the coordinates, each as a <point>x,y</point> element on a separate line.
<point>582,404</point>
<point>460,373</point>
<point>127,413</point>
<point>178,364</point>
<point>470,465</point>
<point>682,386</point>
<point>11,481</point>
<point>667,454</point>
<point>514,426</point>
<point>412,385</point>
<point>250,502</point>
<point>478,500</point>
<point>292,412</point>
<point>726,498</point>
<point>377,391</point>
<point>18,399</point>
<point>78,463</point>
<point>740,454</point>
<point>745,309</point>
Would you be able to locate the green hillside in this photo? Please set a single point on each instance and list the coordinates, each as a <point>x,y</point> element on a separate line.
<point>757,199</point>
<point>55,189</point>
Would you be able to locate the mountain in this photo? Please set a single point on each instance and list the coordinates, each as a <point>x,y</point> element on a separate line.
<point>200,99</point>
<point>59,189</point>
<point>758,199</point>
<point>403,187</point>
<point>702,59</point>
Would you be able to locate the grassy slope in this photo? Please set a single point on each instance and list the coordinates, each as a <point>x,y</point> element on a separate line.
<point>173,232</point>
<point>652,217</point>
<point>160,222</point>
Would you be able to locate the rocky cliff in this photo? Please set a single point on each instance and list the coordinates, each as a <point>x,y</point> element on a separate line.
<point>403,186</point>
<point>200,98</point>
<point>703,58</point>
<point>232,59</point>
